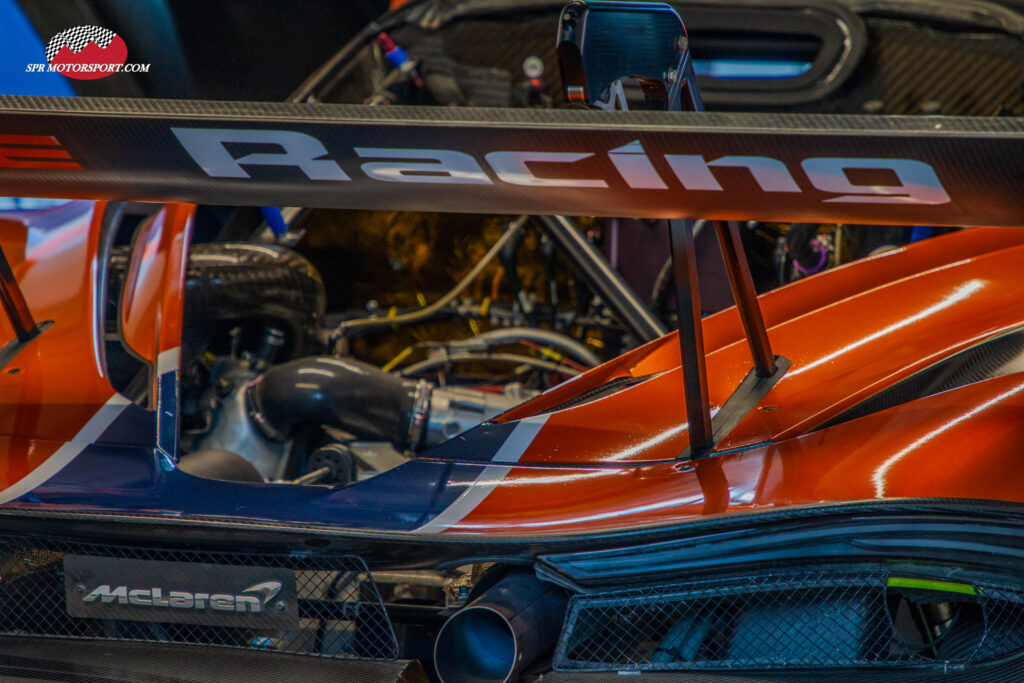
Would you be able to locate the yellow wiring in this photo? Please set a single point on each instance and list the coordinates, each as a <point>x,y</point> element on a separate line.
<point>485,306</point>
<point>392,312</point>
<point>402,355</point>
<point>421,299</point>
<point>594,341</point>
<point>475,326</point>
<point>551,353</point>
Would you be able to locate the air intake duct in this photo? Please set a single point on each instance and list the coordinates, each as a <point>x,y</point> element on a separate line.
<point>356,397</point>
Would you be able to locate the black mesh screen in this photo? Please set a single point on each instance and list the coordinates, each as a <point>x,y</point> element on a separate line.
<point>827,618</point>
<point>339,610</point>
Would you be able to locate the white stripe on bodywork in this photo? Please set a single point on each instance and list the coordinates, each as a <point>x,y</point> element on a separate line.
<point>510,451</point>
<point>167,361</point>
<point>87,435</point>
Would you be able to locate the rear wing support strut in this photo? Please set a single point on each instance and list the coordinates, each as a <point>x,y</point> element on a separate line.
<point>691,337</point>
<point>746,297</point>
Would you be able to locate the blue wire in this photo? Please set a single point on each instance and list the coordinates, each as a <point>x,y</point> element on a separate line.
<point>272,215</point>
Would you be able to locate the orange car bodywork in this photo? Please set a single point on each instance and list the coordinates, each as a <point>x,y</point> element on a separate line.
<point>849,333</point>
<point>55,385</point>
<point>611,463</point>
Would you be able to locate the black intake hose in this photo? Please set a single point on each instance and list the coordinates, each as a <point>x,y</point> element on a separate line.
<point>356,397</point>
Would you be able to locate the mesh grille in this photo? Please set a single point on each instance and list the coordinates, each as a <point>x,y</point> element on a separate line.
<point>799,619</point>
<point>340,613</point>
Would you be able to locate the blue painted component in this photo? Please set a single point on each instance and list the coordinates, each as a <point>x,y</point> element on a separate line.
<point>750,68</point>
<point>121,479</point>
<point>21,46</point>
<point>396,57</point>
<point>167,414</point>
<point>30,203</point>
<point>921,232</point>
<point>477,445</point>
<point>272,215</point>
<point>135,426</point>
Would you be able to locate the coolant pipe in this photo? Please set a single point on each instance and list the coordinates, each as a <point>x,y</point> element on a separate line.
<point>497,635</point>
<point>356,397</point>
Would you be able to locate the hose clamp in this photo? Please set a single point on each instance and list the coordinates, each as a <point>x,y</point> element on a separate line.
<point>420,413</point>
<point>255,412</point>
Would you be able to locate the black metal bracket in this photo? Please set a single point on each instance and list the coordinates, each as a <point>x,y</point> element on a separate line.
<point>600,277</point>
<point>13,301</point>
<point>675,91</point>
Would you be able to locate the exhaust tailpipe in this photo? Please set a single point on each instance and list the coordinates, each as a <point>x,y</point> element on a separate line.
<point>500,633</point>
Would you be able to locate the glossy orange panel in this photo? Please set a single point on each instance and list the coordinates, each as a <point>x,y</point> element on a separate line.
<point>844,348</point>
<point>800,298</point>
<point>852,349</point>
<point>963,443</point>
<point>785,304</point>
<point>55,383</point>
<point>179,230</point>
<point>143,288</point>
<point>154,291</point>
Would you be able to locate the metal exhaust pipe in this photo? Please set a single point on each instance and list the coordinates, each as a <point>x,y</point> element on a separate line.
<point>500,633</point>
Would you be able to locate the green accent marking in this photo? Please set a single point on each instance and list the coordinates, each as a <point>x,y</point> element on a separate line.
<point>930,585</point>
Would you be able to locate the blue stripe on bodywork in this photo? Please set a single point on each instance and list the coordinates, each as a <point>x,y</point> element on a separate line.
<point>125,480</point>
<point>122,474</point>
<point>135,426</point>
<point>479,444</point>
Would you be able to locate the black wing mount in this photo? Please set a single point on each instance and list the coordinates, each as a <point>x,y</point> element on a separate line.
<point>606,50</point>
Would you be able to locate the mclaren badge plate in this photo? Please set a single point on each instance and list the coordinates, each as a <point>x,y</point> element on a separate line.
<point>180,592</point>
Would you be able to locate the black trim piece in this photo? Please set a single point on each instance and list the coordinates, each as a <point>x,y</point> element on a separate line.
<point>977,363</point>
<point>14,347</point>
<point>612,386</point>
<point>1007,671</point>
<point>693,371</point>
<point>991,544</point>
<point>44,659</point>
<point>750,391</point>
<point>409,550</point>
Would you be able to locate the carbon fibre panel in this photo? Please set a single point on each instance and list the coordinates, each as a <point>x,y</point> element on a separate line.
<point>126,150</point>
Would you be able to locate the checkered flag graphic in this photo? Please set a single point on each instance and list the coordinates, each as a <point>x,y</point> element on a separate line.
<point>77,38</point>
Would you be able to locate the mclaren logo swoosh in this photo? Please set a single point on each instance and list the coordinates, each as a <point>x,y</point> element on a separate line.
<point>267,591</point>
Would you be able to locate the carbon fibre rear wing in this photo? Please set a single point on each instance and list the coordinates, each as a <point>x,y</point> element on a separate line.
<point>772,167</point>
<point>676,165</point>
